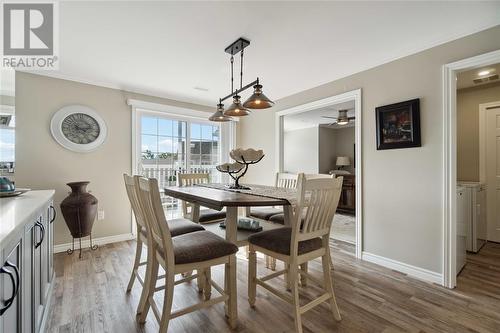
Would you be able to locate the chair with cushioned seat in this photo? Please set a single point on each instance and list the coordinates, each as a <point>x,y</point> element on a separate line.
<point>296,245</point>
<point>198,251</point>
<point>206,215</point>
<point>176,227</point>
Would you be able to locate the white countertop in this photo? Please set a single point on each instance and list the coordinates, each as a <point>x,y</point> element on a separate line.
<point>15,212</point>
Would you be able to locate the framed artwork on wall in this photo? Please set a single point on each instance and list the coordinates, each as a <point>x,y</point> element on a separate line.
<point>398,125</point>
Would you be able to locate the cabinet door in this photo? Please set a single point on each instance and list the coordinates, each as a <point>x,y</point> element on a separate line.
<point>51,213</point>
<point>28,276</point>
<point>44,259</point>
<point>11,305</point>
<point>38,271</point>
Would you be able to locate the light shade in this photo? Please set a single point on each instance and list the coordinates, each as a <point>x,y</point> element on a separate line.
<point>258,100</point>
<point>219,114</point>
<point>236,109</point>
<point>343,161</point>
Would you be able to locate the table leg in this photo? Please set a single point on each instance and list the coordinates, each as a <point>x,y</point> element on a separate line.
<point>195,213</point>
<point>231,236</point>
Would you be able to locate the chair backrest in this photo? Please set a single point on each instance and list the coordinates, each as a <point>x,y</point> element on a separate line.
<point>188,179</point>
<point>318,175</point>
<point>317,199</point>
<point>134,202</point>
<point>286,180</point>
<point>152,210</point>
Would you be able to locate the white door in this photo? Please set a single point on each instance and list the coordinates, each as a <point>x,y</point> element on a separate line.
<point>492,158</point>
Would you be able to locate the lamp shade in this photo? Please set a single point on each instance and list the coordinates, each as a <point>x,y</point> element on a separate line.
<point>219,114</point>
<point>236,109</point>
<point>343,161</point>
<point>258,100</point>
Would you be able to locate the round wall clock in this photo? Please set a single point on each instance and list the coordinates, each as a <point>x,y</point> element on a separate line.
<point>78,128</point>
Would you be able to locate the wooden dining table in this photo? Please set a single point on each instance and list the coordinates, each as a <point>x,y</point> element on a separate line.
<point>216,198</point>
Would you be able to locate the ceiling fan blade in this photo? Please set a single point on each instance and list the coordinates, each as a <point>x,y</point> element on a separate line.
<point>328,117</point>
<point>351,118</point>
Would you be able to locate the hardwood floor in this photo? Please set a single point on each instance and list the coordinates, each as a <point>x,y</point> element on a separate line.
<point>89,296</point>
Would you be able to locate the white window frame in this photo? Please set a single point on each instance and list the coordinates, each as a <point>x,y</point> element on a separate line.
<point>140,108</point>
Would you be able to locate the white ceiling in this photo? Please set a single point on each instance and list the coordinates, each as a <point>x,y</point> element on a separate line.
<point>315,118</point>
<point>465,79</point>
<point>169,48</point>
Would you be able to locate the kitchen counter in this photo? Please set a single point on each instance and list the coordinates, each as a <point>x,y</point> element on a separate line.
<point>15,212</point>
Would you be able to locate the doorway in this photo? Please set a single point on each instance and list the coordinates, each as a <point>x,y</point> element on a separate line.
<point>453,228</point>
<point>324,137</point>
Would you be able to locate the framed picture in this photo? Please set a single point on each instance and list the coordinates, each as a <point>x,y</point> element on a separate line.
<point>398,125</point>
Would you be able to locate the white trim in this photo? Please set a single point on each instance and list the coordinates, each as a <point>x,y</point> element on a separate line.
<point>413,271</point>
<point>354,95</point>
<point>96,241</point>
<point>450,157</point>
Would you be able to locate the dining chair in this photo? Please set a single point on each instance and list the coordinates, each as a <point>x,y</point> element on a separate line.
<point>296,245</point>
<point>198,251</point>
<point>206,215</point>
<point>176,227</point>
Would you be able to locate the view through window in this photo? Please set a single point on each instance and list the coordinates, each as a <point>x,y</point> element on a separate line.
<point>171,146</point>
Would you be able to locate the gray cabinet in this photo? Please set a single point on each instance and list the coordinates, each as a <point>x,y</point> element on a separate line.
<point>27,274</point>
<point>11,274</point>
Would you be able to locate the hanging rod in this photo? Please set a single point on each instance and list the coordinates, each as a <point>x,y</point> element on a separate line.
<point>251,84</point>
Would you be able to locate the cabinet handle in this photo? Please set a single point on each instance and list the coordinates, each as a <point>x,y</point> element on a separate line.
<point>42,230</point>
<point>54,214</point>
<point>15,285</point>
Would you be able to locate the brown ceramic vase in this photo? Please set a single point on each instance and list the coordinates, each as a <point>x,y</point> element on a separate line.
<point>79,209</point>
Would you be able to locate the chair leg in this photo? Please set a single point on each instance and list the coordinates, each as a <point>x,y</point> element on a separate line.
<point>329,287</point>
<point>167,300</point>
<point>137,261</point>
<point>207,292</point>
<point>246,251</point>
<point>268,261</point>
<point>303,278</point>
<point>200,281</point>
<point>252,275</point>
<point>294,282</point>
<point>273,263</point>
<point>149,287</point>
<point>232,310</point>
<point>287,277</point>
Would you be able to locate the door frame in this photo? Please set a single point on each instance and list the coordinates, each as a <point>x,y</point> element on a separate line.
<point>482,152</point>
<point>449,185</point>
<point>354,95</point>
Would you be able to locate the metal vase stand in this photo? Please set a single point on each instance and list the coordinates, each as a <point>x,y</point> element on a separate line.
<point>93,247</point>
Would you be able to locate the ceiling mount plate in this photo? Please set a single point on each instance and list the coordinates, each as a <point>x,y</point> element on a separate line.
<point>237,46</point>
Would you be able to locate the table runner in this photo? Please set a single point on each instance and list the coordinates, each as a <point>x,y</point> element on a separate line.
<point>288,194</point>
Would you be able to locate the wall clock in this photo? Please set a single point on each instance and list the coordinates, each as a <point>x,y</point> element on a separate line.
<point>78,128</point>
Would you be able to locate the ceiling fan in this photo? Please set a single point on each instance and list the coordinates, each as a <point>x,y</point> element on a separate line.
<point>342,118</point>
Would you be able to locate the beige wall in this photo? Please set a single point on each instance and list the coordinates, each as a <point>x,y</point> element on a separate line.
<point>301,150</point>
<point>402,198</point>
<point>326,149</point>
<point>468,101</point>
<point>42,163</point>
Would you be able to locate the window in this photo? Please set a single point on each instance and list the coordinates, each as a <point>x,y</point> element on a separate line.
<point>167,144</point>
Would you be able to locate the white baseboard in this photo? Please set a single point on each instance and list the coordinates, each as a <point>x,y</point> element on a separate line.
<point>413,271</point>
<point>95,241</point>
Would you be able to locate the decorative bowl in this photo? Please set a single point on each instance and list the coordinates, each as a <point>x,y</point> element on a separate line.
<point>6,185</point>
<point>246,155</point>
<point>230,167</point>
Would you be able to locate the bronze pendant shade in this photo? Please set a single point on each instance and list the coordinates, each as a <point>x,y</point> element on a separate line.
<point>236,109</point>
<point>258,100</point>
<point>219,114</point>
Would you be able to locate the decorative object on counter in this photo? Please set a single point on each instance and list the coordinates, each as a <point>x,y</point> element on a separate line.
<point>245,223</point>
<point>6,185</point>
<point>78,128</point>
<point>15,193</point>
<point>398,125</point>
<point>79,209</point>
<point>243,158</point>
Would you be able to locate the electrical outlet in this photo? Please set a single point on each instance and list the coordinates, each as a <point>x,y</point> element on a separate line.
<point>100,215</point>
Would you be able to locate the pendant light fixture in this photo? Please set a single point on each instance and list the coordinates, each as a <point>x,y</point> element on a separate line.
<point>256,101</point>
<point>219,114</point>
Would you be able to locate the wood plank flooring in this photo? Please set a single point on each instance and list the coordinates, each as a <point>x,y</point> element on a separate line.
<point>89,296</point>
